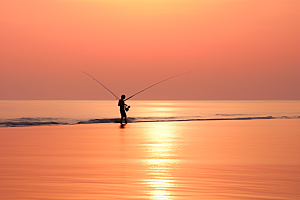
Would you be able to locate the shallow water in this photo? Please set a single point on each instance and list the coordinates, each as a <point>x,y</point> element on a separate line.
<point>252,159</point>
<point>36,113</point>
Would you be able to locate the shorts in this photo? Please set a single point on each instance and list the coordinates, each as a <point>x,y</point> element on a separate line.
<point>123,113</point>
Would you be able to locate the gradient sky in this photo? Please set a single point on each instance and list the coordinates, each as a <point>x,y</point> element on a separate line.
<point>236,49</point>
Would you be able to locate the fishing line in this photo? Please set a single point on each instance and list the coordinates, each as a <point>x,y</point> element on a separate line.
<point>155,84</point>
<point>137,92</point>
<point>101,84</point>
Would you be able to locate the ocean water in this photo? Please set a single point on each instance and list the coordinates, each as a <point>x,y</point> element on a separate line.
<point>171,150</point>
<point>36,113</point>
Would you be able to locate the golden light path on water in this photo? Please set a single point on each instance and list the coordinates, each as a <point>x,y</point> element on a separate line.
<point>160,149</point>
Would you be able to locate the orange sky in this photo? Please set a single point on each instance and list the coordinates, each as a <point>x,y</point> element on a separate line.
<point>237,49</point>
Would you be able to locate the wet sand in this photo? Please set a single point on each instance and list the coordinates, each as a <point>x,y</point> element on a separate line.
<point>251,159</point>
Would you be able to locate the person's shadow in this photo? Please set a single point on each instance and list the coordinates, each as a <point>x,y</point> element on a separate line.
<point>122,125</point>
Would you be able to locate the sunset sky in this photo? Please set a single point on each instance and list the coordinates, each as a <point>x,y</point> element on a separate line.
<point>236,49</point>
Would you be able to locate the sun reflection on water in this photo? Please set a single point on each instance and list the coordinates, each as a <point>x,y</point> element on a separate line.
<point>160,148</point>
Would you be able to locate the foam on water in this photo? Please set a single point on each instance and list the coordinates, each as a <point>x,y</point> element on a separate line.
<point>19,122</point>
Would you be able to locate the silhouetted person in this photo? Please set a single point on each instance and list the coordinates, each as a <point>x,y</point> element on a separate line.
<point>122,108</point>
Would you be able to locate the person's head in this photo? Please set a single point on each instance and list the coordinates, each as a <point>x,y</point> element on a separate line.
<point>123,96</point>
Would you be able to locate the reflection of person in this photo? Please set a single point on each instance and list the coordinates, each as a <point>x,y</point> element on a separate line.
<point>122,108</point>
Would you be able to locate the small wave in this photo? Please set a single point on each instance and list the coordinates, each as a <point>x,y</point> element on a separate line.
<point>16,124</point>
<point>36,121</point>
<point>23,122</point>
<point>93,121</point>
<point>227,115</point>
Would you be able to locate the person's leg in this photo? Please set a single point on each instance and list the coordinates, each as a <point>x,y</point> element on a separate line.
<point>121,119</point>
<point>125,119</point>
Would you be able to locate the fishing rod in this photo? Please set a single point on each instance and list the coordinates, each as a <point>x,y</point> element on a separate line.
<point>101,84</point>
<point>155,84</point>
<point>127,107</point>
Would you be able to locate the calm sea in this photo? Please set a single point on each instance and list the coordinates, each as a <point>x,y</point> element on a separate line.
<point>171,150</point>
<point>38,112</point>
